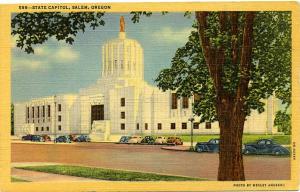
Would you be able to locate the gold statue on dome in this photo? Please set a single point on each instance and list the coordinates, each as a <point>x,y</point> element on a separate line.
<point>122,24</point>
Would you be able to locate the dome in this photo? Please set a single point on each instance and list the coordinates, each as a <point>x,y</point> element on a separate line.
<point>122,57</point>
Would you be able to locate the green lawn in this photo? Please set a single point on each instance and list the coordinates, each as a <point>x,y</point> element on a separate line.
<point>14,179</point>
<point>106,174</point>
<point>281,139</point>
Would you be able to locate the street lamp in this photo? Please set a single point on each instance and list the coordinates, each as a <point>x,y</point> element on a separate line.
<point>192,132</point>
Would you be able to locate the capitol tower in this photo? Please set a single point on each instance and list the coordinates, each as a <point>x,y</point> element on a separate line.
<point>122,57</point>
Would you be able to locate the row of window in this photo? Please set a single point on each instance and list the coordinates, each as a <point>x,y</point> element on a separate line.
<point>185,101</point>
<point>38,121</point>
<point>42,129</point>
<point>47,128</point>
<point>172,126</point>
<point>39,112</point>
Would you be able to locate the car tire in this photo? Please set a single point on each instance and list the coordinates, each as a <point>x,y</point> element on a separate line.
<point>277,152</point>
<point>199,149</point>
<point>247,152</point>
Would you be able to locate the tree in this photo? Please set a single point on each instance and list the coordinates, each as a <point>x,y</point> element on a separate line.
<point>283,122</point>
<point>233,60</point>
<point>228,61</point>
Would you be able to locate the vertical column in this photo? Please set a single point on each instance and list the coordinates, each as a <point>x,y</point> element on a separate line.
<point>112,59</point>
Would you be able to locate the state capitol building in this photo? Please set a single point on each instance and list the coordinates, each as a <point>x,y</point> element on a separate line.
<point>122,103</point>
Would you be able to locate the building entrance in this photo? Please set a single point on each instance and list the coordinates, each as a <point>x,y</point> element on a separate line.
<point>97,113</point>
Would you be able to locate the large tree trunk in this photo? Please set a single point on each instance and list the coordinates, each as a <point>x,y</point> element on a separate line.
<point>231,122</point>
<point>230,107</point>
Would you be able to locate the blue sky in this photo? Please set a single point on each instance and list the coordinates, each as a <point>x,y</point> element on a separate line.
<point>57,68</point>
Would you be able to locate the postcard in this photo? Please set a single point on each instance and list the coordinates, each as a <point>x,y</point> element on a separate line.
<point>149,96</point>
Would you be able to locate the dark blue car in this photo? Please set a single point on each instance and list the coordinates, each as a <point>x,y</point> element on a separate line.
<point>210,146</point>
<point>37,138</point>
<point>265,146</point>
<point>62,139</point>
<point>83,138</point>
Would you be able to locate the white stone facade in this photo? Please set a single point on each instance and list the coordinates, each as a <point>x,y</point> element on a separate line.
<point>121,103</point>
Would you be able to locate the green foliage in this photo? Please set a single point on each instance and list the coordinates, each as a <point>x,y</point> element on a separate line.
<point>283,122</point>
<point>106,174</point>
<point>36,28</point>
<point>14,179</point>
<point>270,71</point>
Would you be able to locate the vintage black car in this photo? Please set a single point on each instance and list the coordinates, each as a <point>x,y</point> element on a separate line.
<point>148,140</point>
<point>211,146</point>
<point>265,146</point>
<point>27,137</point>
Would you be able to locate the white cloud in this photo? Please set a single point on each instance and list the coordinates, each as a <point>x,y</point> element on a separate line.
<point>41,51</point>
<point>44,57</point>
<point>29,64</point>
<point>66,54</point>
<point>171,35</point>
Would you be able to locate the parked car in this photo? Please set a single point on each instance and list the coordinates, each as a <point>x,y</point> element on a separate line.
<point>72,137</point>
<point>124,139</point>
<point>174,141</point>
<point>211,146</point>
<point>265,146</point>
<point>160,140</point>
<point>37,138</point>
<point>46,137</point>
<point>27,137</point>
<point>82,138</point>
<point>135,139</point>
<point>62,139</point>
<point>148,140</point>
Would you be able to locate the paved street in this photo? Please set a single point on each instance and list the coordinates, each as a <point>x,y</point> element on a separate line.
<point>148,158</point>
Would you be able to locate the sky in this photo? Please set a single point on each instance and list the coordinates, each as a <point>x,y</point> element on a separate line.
<point>57,68</point>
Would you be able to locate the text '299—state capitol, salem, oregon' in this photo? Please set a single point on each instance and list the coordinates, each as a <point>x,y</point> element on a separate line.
<point>122,103</point>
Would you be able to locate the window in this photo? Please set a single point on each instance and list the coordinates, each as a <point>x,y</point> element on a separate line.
<point>42,128</point>
<point>49,111</point>
<point>196,125</point>
<point>174,101</point>
<point>146,126</point>
<point>137,126</point>
<point>122,126</point>
<point>36,129</point>
<point>28,112</point>
<point>59,118</point>
<point>185,102</point>
<point>184,125</point>
<point>59,127</point>
<point>122,115</point>
<point>59,107</point>
<point>38,111</point>
<point>173,125</point>
<point>43,112</point>
<point>207,125</point>
<point>32,112</point>
<point>159,126</point>
<point>47,128</point>
<point>122,102</point>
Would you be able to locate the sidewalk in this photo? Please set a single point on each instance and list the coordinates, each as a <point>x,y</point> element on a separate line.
<point>40,143</point>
